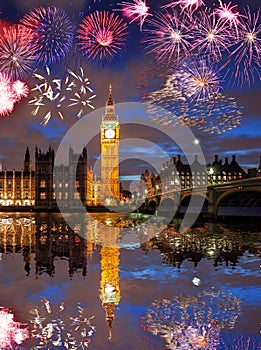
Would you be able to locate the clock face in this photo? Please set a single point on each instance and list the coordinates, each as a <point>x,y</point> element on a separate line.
<point>109,133</point>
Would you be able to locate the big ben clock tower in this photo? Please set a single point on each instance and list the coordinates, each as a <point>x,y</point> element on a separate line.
<point>110,138</point>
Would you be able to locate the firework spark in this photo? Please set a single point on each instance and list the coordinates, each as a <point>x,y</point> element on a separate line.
<point>102,36</point>
<point>193,322</point>
<point>189,5</point>
<point>53,327</point>
<point>228,14</point>
<point>7,97</point>
<point>212,37</point>
<point>169,36</point>
<point>20,89</point>
<point>48,96</point>
<point>202,81</point>
<point>53,33</point>
<point>12,333</point>
<point>246,53</point>
<point>186,98</point>
<point>136,11</point>
<point>17,51</point>
<point>83,94</point>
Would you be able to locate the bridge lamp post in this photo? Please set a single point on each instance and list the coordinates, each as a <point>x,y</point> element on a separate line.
<point>211,172</point>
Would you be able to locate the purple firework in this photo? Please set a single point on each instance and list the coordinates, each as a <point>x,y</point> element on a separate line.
<point>212,37</point>
<point>169,36</point>
<point>53,33</point>
<point>245,58</point>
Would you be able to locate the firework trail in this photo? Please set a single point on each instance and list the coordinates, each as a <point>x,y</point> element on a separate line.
<point>191,95</point>
<point>136,11</point>
<point>53,33</point>
<point>83,94</point>
<point>17,51</point>
<point>186,5</point>
<point>48,96</point>
<point>102,37</point>
<point>228,14</point>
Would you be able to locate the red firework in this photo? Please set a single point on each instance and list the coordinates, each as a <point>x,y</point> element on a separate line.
<point>102,36</point>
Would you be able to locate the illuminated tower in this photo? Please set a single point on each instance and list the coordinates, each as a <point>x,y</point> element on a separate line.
<point>109,138</point>
<point>110,281</point>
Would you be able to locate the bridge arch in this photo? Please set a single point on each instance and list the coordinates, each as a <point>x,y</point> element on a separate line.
<point>238,198</point>
<point>185,200</point>
<point>151,206</point>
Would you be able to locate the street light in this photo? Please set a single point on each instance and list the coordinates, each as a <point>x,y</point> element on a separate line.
<point>211,172</point>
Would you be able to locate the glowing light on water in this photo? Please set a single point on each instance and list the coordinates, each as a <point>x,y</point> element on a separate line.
<point>12,333</point>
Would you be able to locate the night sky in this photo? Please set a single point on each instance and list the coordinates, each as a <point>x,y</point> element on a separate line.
<point>21,128</point>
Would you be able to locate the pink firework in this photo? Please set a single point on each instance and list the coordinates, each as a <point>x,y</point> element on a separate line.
<point>20,89</point>
<point>17,55</point>
<point>102,36</point>
<point>211,36</point>
<point>189,5</point>
<point>169,37</point>
<point>7,96</point>
<point>12,333</point>
<point>246,52</point>
<point>136,11</point>
<point>228,13</point>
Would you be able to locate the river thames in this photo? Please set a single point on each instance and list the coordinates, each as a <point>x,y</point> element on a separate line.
<point>93,288</point>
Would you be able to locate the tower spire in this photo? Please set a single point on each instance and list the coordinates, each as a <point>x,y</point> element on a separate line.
<point>110,100</point>
<point>110,111</point>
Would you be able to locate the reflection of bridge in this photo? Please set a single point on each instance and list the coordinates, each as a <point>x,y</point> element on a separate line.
<point>243,194</point>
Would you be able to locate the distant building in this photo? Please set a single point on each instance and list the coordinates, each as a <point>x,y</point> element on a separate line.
<point>176,175</point>
<point>17,187</point>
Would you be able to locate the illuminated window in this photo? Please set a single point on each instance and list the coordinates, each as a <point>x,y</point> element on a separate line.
<point>76,195</point>
<point>42,195</point>
<point>9,184</point>
<point>53,195</point>
<point>66,185</point>
<point>66,195</point>
<point>42,183</point>
<point>60,185</point>
<point>77,184</point>
<point>60,195</point>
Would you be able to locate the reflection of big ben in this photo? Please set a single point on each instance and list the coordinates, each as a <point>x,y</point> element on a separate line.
<point>110,281</point>
<point>109,138</point>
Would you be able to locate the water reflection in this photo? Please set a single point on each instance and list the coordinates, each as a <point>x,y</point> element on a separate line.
<point>193,322</point>
<point>53,328</point>
<point>12,333</point>
<point>56,240</point>
<point>51,251</point>
<point>51,238</point>
<point>220,245</point>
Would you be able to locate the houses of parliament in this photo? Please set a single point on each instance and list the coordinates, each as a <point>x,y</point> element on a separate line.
<point>40,187</point>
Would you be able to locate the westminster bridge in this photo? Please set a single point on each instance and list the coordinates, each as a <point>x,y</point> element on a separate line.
<point>242,194</point>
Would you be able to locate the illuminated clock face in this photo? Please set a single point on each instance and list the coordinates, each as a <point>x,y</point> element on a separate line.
<point>109,133</point>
